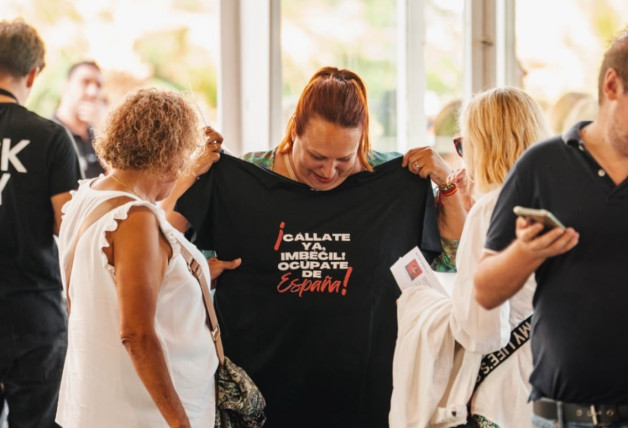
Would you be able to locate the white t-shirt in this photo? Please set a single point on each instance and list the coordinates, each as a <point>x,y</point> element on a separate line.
<point>100,387</point>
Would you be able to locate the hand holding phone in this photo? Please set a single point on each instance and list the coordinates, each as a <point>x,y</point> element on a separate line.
<point>538,216</point>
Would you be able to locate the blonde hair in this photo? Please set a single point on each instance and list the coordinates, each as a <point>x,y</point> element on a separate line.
<point>153,130</point>
<point>500,124</point>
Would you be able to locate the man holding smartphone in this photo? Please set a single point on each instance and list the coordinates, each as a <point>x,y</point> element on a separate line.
<point>579,329</point>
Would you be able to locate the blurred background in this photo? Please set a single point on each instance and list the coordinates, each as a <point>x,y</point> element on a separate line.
<point>213,47</point>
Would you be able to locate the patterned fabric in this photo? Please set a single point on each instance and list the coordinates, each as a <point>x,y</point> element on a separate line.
<point>265,159</point>
<point>239,403</point>
<point>445,262</point>
<point>482,422</point>
<point>478,421</point>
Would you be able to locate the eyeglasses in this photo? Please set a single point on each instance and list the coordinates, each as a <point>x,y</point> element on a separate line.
<point>458,145</point>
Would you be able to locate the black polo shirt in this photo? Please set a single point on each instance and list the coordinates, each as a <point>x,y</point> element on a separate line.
<point>311,313</point>
<point>90,164</point>
<point>580,327</point>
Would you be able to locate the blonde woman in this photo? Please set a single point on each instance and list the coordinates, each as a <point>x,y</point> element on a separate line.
<point>497,126</point>
<point>139,353</point>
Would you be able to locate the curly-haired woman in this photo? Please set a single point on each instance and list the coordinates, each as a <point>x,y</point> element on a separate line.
<point>140,353</point>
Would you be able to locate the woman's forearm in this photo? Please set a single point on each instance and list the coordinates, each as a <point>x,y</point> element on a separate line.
<point>149,362</point>
<point>451,215</point>
<point>499,276</point>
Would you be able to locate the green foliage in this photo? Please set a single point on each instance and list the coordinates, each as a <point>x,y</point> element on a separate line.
<point>51,12</point>
<point>446,78</point>
<point>380,14</point>
<point>178,64</point>
<point>46,91</point>
<point>163,51</point>
<point>372,56</point>
<point>606,22</point>
<point>205,83</point>
<point>194,6</point>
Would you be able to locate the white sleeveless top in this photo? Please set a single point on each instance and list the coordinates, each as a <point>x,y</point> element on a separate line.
<point>100,387</point>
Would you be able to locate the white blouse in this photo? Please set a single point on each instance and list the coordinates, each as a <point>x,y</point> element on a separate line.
<point>433,376</point>
<point>100,387</point>
<point>502,397</point>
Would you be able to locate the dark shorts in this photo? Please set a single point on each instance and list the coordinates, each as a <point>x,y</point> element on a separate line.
<point>30,370</point>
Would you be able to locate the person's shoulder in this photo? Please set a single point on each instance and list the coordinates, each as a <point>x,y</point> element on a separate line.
<point>32,123</point>
<point>542,152</point>
<point>544,146</point>
<point>485,203</point>
<point>264,159</point>
<point>483,207</point>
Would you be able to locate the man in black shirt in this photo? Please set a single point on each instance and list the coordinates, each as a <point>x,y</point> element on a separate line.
<point>38,168</point>
<point>579,328</point>
<point>81,109</point>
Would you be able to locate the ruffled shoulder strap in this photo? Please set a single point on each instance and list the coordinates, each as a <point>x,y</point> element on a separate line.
<point>102,209</point>
<point>109,221</point>
<point>121,213</point>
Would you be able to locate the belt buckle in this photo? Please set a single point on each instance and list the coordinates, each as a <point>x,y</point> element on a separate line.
<point>594,415</point>
<point>610,415</point>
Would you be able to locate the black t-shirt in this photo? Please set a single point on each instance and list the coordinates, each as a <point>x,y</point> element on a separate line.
<point>579,340</point>
<point>311,313</point>
<point>90,164</point>
<point>37,161</point>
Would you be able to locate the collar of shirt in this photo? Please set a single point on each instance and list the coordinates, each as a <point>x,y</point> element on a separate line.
<point>572,135</point>
<point>572,138</point>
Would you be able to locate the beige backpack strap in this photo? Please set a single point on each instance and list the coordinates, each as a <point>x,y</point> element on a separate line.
<point>197,271</point>
<point>96,213</point>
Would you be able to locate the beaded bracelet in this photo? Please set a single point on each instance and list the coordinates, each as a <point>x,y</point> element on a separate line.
<point>446,190</point>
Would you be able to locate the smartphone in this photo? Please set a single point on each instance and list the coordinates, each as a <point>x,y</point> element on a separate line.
<point>539,216</point>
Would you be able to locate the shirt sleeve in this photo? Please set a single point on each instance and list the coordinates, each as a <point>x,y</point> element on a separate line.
<point>65,171</point>
<point>501,231</point>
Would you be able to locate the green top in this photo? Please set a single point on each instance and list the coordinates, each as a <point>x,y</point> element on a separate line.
<point>266,159</point>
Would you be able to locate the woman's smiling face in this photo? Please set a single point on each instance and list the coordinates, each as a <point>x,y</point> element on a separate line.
<point>326,154</point>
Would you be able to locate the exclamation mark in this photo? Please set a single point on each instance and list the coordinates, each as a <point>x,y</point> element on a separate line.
<point>346,281</point>
<point>280,235</point>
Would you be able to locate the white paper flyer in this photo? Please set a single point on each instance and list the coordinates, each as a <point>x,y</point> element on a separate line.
<point>412,269</point>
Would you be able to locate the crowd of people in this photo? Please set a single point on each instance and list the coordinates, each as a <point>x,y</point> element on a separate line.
<point>102,320</point>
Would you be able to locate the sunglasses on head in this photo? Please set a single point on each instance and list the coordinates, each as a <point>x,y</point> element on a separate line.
<point>458,145</point>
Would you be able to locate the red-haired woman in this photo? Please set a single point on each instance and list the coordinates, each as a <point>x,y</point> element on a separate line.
<point>319,360</point>
<point>327,140</point>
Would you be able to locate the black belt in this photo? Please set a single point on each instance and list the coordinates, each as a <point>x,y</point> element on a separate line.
<point>595,414</point>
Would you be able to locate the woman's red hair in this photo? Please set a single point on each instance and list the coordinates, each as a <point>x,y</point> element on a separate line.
<point>337,96</point>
